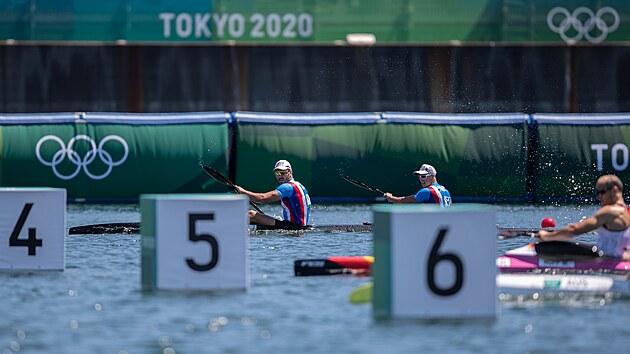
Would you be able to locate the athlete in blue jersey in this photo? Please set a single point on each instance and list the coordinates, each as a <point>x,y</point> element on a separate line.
<point>431,193</point>
<point>296,204</point>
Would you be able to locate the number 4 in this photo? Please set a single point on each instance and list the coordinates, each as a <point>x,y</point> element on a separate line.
<point>32,242</point>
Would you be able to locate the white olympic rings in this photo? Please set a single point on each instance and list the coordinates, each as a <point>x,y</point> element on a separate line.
<point>572,21</point>
<point>76,159</point>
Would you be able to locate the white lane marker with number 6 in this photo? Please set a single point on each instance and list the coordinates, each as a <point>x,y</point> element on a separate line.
<point>433,262</point>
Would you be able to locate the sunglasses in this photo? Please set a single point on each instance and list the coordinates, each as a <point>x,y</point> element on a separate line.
<point>280,173</point>
<point>423,176</point>
<point>601,191</point>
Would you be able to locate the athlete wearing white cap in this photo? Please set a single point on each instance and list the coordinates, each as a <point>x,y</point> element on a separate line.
<point>293,196</point>
<point>431,193</point>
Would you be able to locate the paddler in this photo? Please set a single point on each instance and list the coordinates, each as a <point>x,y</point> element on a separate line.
<point>431,193</point>
<point>292,195</point>
<point>612,221</point>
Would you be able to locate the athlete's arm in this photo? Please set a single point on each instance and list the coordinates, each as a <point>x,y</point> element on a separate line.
<point>422,196</point>
<point>263,198</point>
<point>399,200</point>
<point>602,216</point>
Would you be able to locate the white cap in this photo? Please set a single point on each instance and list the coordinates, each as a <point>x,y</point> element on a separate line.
<point>282,165</point>
<point>425,170</point>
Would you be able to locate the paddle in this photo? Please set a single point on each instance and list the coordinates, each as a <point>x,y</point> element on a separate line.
<point>111,228</point>
<point>361,184</point>
<point>567,250</point>
<point>503,233</point>
<point>224,180</point>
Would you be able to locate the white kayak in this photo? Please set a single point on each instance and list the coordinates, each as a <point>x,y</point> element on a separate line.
<point>528,283</point>
<point>533,283</point>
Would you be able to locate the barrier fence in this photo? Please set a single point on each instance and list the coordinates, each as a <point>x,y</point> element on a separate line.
<point>507,157</point>
<point>99,156</point>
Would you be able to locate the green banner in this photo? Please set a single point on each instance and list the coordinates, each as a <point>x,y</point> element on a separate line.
<point>574,150</point>
<point>478,157</point>
<point>111,160</point>
<point>313,21</point>
<point>304,140</point>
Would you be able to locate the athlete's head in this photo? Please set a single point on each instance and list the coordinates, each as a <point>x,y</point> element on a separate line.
<point>426,174</point>
<point>609,189</point>
<point>282,170</point>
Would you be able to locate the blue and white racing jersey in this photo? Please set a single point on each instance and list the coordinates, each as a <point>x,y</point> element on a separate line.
<point>434,194</point>
<point>296,204</point>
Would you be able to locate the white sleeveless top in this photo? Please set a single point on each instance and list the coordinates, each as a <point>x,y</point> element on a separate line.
<point>613,243</point>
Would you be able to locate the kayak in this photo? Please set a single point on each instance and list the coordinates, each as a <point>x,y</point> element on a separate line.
<point>559,256</point>
<point>546,257</point>
<point>528,283</point>
<point>319,228</point>
<point>108,228</point>
<point>553,267</point>
<point>561,267</point>
<point>535,283</point>
<point>334,265</point>
<point>134,228</point>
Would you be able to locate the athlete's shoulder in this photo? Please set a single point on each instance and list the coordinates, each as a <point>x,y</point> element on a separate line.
<point>424,190</point>
<point>442,187</point>
<point>286,186</point>
<point>299,184</point>
<point>613,209</point>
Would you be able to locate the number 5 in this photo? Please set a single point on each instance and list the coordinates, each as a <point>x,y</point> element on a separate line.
<point>194,237</point>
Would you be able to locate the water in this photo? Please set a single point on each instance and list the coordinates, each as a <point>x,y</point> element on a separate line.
<point>97,305</point>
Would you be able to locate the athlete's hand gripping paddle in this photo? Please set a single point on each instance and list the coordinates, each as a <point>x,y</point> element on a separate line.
<point>226,181</point>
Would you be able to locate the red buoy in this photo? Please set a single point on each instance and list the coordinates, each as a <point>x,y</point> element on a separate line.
<point>548,223</point>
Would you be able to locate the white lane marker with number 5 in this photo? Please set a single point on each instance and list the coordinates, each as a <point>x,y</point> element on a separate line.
<point>194,241</point>
<point>32,228</point>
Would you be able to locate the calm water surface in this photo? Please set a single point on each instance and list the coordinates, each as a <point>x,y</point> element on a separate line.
<point>97,306</point>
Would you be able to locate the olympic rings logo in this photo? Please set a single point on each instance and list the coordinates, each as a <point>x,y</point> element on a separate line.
<point>81,162</point>
<point>606,21</point>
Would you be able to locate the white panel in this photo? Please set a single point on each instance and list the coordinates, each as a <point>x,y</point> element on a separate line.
<point>201,242</point>
<point>32,228</point>
<point>443,264</point>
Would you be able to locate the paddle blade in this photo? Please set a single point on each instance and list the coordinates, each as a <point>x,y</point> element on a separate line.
<point>562,250</point>
<point>111,228</point>
<point>218,176</point>
<point>361,294</point>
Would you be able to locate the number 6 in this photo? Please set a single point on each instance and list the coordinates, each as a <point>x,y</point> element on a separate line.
<point>435,258</point>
